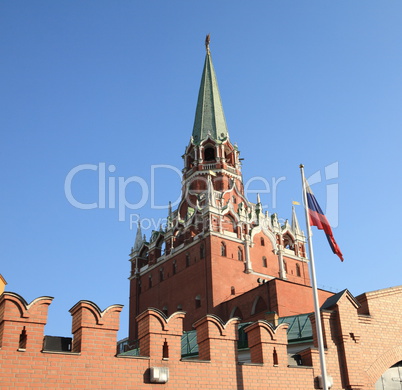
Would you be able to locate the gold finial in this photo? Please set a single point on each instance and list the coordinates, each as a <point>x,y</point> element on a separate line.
<point>207,40</point>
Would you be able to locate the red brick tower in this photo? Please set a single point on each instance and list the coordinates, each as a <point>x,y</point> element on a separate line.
<point>217,245</point>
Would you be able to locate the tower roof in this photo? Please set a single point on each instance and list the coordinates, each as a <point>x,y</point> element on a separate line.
<point>209,116</point>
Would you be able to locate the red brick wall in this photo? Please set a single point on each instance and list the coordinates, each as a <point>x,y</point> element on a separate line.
<point>179,289</point>
<point>362,337</point>
<point>283,297</point>
<point>213,277</point>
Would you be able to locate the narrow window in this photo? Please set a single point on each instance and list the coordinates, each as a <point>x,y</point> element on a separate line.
<point>150,281</point>
<point>197,301</point>
<point>285,266</point>
<point>298,270</point>
<point>165,310</point>
<point>239,254</point>
<point>202,251</point>
<point>275,357</point>
<point>139,287</point>
<point>232,290</point>
<point>262,241</point>
<point>264,262</point>
<point>23,340</point>
<point>174,267</point>
<point>223,249</point>
<point>165,350</point>
<point>187,260</point>
<point>161,276</point>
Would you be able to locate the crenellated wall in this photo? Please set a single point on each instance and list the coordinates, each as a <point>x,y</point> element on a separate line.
<point>362,336</point>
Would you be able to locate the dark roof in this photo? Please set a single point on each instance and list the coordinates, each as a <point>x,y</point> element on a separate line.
<point>299,327</point>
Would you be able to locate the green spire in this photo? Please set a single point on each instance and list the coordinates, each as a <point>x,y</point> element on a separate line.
<point>209,116</point>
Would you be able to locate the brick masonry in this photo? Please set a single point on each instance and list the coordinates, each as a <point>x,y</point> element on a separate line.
<point>362,338</point>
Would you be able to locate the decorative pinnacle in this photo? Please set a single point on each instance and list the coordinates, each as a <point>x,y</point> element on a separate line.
<point>207,40</point>
<point>301,166</point>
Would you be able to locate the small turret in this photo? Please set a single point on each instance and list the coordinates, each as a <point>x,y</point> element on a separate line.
<point>295,223</point>
<point>138,238</point>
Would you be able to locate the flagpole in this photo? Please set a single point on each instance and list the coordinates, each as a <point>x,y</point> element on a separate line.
<point>314,287</point>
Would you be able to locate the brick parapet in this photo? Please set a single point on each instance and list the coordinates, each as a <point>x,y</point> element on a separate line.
<point>22,324</point>
<point>97,367</point>
<point>268,344</point>
<point>160,336</point>
<point>216,339</point>
<point>94,331</point>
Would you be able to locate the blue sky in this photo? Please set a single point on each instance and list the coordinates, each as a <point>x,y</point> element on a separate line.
<point>116,83</point>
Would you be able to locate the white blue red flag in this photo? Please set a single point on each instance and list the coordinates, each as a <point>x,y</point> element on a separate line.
<point>317,218</point>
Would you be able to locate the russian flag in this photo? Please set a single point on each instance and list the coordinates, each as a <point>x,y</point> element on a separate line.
<point>317,218</point>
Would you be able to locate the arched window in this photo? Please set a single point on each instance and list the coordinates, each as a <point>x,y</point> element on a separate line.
<point>259,305</point>
<point>223,249</point>
<point>264,262</point>
<point>165,310</point>
<point>288,242</point>
<point>198,301</point>
<point>262,241</point>
<point>298,273</point>
<point>236,312</point>
<point>232,290</point>
<point>209,154</point>
<point>239,254</point>
<point>202,251</point>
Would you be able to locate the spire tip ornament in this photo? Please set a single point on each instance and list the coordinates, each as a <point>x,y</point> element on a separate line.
<point>207,40</point>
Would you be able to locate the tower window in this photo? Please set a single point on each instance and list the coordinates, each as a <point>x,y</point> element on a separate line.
<point>298,273</point>
<point>165,310</point>
<point>187,260</point>
<point>232,290</point>
<point>161,275</point>
<point>174,267</point>
<point>202,251</point>
<point>150,281</point>
<point>262,241</point>
<point>209,154</point>
<point>198,301</point>
<point>239,254</point>
<point>223,249</point>
<point>264,262</point>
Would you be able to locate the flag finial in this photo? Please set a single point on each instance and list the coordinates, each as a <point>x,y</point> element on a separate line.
<point>207,40</point>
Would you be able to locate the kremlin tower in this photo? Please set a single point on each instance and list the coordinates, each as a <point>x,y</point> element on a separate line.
<point>219,253</point>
